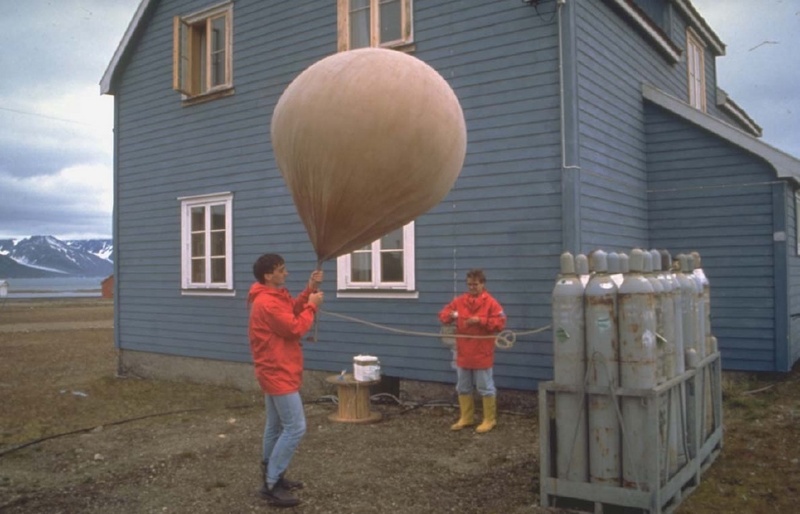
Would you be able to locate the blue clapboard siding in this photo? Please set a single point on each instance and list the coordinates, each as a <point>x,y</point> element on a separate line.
<point>793,259</point>
<point>503,213</point>
<point>614,61</point>
<point>710,196</point>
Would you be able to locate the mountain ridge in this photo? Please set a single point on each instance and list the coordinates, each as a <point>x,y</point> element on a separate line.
<point>48,256</point>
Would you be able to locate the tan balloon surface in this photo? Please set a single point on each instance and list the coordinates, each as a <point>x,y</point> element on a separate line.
<point>366,140</point>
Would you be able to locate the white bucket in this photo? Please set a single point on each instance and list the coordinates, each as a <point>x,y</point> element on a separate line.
<point>366,368</point>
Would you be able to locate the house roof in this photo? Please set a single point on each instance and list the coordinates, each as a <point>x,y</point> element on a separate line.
<point>106,83</point>
<point>784,164</point>
<point>726,103</point>
<point>700,25</point>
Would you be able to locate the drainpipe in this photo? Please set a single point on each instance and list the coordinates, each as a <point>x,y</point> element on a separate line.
<point>115,233</point>
<point>570,159</point>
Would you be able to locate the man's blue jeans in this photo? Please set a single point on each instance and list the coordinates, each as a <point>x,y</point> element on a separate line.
<point>285,427</point>
<point>482,379</point>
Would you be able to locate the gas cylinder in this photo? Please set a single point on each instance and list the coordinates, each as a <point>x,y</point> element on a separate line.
<point>658,291</point>
<point>602,355</point>
<point>688,288</point>
<point>674,367</point>
<point>708,341</point>
<point>677,313</point>
<point>624,266</point>
<point>668,424</point>
<point>582,268</point>
<point>614,270</point>
<point>702,279</point>
<point>637,327</point>
<point>569,368</point>
<point>700,320</point>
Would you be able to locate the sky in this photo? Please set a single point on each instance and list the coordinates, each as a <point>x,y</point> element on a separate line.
<point>56,145</point>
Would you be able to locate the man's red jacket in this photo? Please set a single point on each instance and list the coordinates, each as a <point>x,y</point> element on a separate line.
<point>277,322</point>
<point>472,353</point>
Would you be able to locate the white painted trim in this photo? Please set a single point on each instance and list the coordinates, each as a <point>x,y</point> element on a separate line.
<point>186,203</point>
<point>409,268</point>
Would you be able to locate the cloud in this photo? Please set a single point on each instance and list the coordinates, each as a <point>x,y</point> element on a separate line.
<point>56,130</point>
<point>761,67</point>
<point>76,200</point>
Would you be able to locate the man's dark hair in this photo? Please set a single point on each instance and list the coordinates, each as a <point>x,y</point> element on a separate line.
<point>477,274</point>
<point>266,264</point>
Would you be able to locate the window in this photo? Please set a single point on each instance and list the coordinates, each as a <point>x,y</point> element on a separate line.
<point>206,242</point>
<point>201,51</point>
<point>385,266</point>
<point>695,65</point>
<point>364,23</point>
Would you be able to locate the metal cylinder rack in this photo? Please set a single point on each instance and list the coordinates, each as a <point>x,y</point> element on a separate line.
<point>634,413</point>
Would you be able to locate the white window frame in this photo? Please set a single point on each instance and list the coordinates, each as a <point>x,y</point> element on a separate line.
<point>696,70</point>
<point>206,287</point>
<point>406,25</point>
<point>192,72</point>
<point>346,288</point>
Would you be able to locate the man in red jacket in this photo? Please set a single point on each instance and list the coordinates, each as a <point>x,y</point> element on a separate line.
<point>277,322</point>
<point>476,313</point>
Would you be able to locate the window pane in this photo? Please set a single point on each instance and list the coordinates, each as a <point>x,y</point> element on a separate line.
<point>218,217</point>
<point>359,25</point>
<point>217,244</point>
<point>198,219</point>
<point>391,266</point>
<point>391,20</point>
<point>218,51</point>
<point>218,270</point>
<point>198,270</point>
<point>393,240</point>
<point>361,266</point>
<point>199,245</point>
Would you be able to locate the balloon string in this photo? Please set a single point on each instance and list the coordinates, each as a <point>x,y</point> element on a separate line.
<point>504,339</point>
<point>315,337</point>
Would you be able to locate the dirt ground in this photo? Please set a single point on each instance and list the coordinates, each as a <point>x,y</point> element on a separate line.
<point>75,438</point>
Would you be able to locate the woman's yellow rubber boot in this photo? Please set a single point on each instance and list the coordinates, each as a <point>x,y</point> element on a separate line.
<point>489,414</point>
<point>467,419</point>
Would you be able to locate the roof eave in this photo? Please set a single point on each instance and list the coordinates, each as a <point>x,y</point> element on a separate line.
<point>784,164</point>
<point>700,25</point>
<point>727,104</point>
<point>107,82</point>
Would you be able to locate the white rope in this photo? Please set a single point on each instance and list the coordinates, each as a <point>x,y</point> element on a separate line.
<point>504,339</point>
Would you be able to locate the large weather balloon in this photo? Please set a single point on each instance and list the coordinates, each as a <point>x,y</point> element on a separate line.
<point>366,140</point>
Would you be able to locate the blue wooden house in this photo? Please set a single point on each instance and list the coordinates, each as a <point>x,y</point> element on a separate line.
<point>591,124</point>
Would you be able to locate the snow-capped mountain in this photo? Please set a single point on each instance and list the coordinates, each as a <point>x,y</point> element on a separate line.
<point>47,256</point>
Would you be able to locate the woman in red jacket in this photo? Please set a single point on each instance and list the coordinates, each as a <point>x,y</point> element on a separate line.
<point>277,322</point>
<point>476,313</point>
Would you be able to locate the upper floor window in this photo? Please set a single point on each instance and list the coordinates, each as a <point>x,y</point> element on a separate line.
<point>202,50</point>
<point>385,265</point>
<point>364,23</point>
<point>696,71</point>
<point>206,242</point>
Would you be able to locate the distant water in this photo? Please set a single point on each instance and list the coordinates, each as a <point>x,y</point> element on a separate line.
<point>61,287</point>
